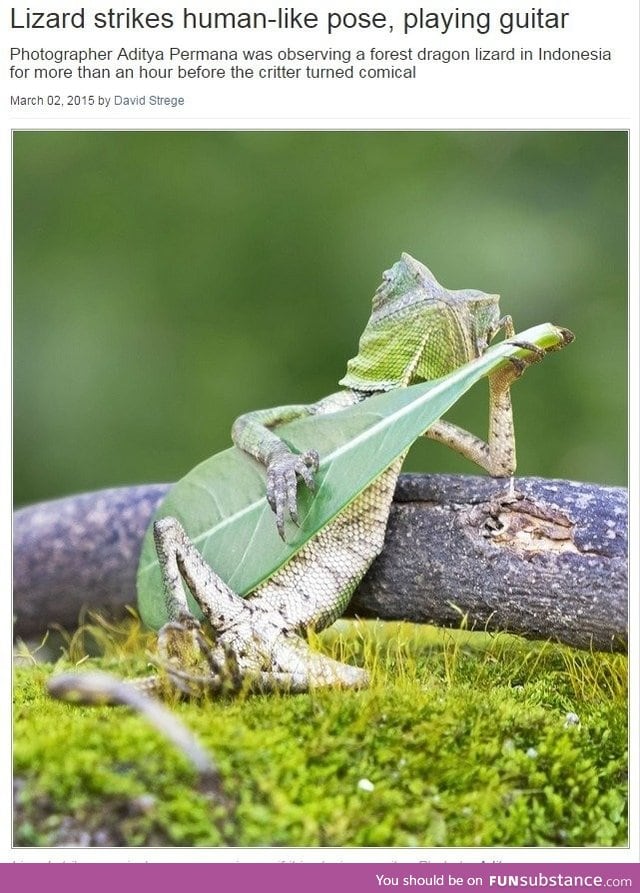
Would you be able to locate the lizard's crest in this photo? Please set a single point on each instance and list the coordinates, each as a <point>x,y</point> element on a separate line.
<point>418,330</point>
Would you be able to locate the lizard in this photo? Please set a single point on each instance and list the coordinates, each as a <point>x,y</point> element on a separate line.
<point>418,330</point>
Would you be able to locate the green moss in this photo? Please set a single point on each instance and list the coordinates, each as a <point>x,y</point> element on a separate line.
<point>463,737</point>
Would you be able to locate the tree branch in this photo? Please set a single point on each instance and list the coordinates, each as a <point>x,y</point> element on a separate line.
<point>549,564</point>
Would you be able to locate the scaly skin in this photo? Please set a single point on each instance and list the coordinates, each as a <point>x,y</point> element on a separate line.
<point>417,331</point>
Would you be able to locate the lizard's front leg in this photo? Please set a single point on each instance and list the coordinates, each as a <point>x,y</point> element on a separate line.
<point>497,455</point>
<point>252,433</point>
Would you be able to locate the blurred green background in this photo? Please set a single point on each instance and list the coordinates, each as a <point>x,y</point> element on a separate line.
<point>165,282</point>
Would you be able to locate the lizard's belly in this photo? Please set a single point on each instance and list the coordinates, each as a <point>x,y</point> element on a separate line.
<point>314,588</point>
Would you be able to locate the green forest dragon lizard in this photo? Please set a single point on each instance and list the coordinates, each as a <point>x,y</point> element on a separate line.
<point>418,331</point>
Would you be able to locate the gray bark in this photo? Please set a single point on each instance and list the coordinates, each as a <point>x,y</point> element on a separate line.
<point>550,563</point>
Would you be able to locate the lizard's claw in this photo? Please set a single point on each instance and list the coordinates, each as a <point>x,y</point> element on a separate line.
<point>283,473</point>
<point>567,337</point>
<point>519,364</point>
<point>181,643</point>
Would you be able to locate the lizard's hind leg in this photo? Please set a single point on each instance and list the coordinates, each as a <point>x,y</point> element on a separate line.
<point>255,644</point>
<point>180,560</point>
<point>182,647</point>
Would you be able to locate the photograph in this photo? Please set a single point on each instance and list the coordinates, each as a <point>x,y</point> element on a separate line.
<point>320,454</point>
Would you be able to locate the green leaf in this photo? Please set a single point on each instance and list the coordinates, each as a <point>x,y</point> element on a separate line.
<point>221,502</point>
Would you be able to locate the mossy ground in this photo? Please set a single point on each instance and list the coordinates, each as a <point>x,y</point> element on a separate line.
<point>462,740</point>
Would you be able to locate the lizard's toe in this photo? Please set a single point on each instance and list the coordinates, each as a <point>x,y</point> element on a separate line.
<point>537,353</point>
<point>283,474</point>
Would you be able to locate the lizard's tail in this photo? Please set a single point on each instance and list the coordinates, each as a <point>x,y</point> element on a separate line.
<point>101,689</point>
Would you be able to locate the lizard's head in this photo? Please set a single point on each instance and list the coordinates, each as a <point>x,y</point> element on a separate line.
<point>419,330</point>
